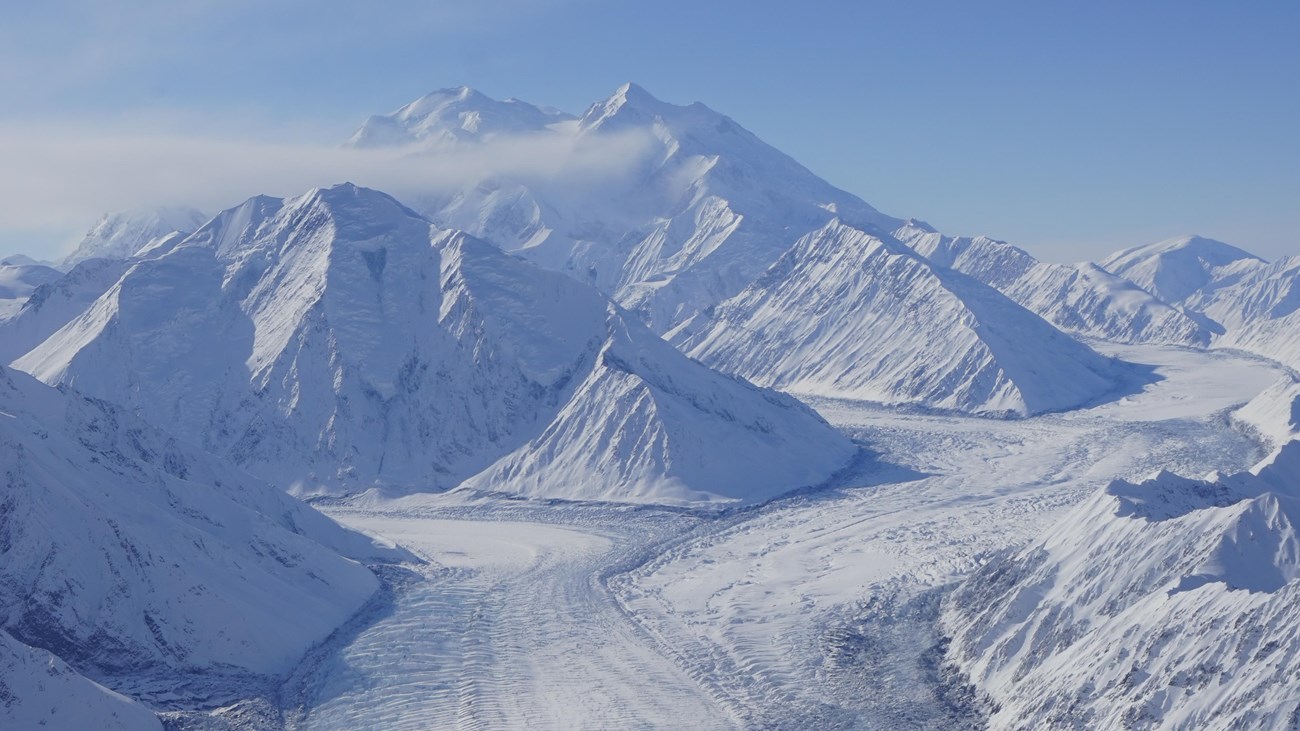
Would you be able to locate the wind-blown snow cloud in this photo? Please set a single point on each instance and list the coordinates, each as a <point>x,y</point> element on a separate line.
<point>59,181</point>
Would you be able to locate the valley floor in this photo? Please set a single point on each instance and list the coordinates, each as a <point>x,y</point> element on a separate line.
<point>812,611</point>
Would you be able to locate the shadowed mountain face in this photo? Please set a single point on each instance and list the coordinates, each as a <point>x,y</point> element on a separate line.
<point>141,560</point>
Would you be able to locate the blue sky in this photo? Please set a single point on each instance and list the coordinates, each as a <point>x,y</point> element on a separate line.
<point>1069,128</point>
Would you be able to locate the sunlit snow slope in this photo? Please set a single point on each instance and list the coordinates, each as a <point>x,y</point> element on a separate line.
<point>328,344</point>
<point>702,214</point>
<point>1248,303</point>
<point>847,314</point>
<point>1078,298</point>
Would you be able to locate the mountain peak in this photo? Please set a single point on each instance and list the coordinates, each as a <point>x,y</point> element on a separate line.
<point>634,93</point>
<point>455,115</point>
<point>630,104</point>
<point>1181,267</point>
<point>120,235</point>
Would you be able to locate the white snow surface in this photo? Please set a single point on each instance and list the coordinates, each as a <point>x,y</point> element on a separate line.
<point>150,566</point>
<point>1246,302</point>
<point>1274,415</point>
<point>121,235</point>
<point>455,116</point>
<point>1177,269</point>
<point>55,304</point>
<point>700,212</point>
<point>847,314</point>
<point>705,213</point>
<point>39,691</point>
<point>17,282</point>
<point>335,342</point>
<point>1170,603</point>
<point>1079,298</point>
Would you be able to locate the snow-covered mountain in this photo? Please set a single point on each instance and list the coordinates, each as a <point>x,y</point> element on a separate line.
<point>1167,604</point>
<point>703,209</point>
<point>706,212</point>
<point>1078,298</point>
<point>148,565</point>
<point>328,344</point>
<point>19,277</point>
<point>451,116</point>
<point>850,315</point>
<point>1178,269</point>
<point>120,235</point>
<point>1247,302</point>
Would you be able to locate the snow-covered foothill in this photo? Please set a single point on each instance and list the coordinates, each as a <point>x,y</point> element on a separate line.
<point>1178,269</point>
<point>1273,415</point>
<point>1246,302</point>
<point>1170,603</point>
<point>53,304</point>
<point>140,560</point>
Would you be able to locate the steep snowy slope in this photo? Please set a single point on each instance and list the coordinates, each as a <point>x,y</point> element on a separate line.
<point>454,116</point>
<point>326,344</point>
<point>1179,268</point>
<point>847,314</point>
<point>37,690</point>
<point>1172,603</point>
<point>1079,298</point>
<point>701,210</point>
<point>1259,312</point>
<point>55,303</point>
<point>18,279</point>
<point>1273,415</point>
<point>119,235</point>
<point>140,560</point>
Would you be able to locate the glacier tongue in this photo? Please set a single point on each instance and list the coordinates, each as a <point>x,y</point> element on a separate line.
<point>847,314</point>
<point>335,342</point>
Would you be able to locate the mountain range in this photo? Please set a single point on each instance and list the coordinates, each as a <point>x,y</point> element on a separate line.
<point>335,342</point>
<point>171,387</point>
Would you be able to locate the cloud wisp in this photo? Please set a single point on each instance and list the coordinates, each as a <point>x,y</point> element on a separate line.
<point>59,181</point>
